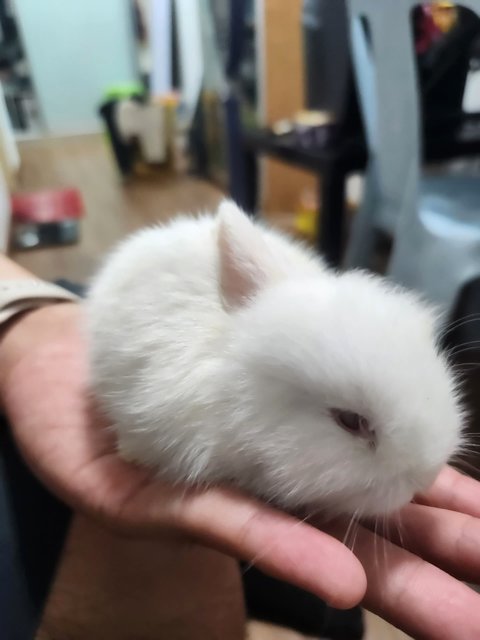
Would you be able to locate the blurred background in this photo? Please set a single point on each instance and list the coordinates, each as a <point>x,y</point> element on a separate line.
<point>353,125</point>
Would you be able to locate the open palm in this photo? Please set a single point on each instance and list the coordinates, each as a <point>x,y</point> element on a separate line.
<point>46,397</point>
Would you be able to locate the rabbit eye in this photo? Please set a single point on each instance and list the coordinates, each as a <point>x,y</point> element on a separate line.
<point>355,424</point>
<point>349,420</point>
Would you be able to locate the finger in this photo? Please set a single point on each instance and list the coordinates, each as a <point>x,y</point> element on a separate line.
<point>449,539</point>
<point>414,595</point>
<point>278,544</point>
<point>454,491</point>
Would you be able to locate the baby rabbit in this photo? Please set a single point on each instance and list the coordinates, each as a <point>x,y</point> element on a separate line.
<point>224,352</point>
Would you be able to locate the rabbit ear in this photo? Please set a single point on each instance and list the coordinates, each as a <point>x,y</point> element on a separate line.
<point>246,262</point>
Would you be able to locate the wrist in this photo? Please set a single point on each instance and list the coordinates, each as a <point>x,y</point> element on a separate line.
<point>21,335</point>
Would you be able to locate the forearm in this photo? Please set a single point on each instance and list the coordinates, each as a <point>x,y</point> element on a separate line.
<point>29,328</point>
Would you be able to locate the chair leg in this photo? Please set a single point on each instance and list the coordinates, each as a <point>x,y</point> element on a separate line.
<point>332,214</point>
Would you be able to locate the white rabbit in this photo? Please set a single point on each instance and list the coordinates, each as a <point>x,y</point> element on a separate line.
<point>224,352</point>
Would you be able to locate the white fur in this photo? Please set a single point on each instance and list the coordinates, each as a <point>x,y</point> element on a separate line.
<point>218,348</point>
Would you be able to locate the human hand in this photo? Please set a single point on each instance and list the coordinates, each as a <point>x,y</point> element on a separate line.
<point>44,390</point>
<point>45,394</point>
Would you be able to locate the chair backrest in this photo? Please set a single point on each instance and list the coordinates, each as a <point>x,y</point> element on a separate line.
<point>386,76</point>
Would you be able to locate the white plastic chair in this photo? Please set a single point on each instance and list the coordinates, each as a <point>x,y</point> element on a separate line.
<point>434,221</point>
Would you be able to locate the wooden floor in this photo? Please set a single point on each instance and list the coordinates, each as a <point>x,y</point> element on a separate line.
<point>112,211</point>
